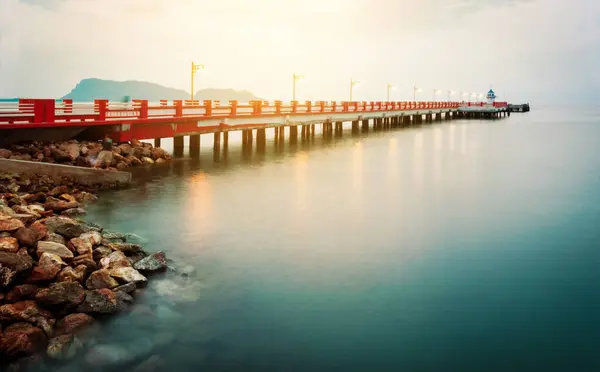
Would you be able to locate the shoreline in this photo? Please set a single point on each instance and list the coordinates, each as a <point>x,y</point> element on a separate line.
<point>60,274</point>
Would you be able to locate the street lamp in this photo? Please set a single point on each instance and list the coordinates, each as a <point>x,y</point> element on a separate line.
<point>352,84</point>
<point>296,79</point>
<point>389,87</point>
<point>415,91</point>
<point>195,67</point>
<point>435,91</point>
<point>450,93</point>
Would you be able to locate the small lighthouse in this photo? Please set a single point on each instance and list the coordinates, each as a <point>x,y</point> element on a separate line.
<point>491,97</point>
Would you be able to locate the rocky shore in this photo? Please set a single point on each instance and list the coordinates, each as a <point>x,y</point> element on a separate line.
<point>85,153</point>
<point>58,274</point>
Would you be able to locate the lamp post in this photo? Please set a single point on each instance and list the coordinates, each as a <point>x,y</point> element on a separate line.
<point>415,91</point>
<point>195,67</point>
<point>389,88</point>
<point>435,92</point>
<point>352,84</point>
<point>450,93</point>
<point>296,79</point>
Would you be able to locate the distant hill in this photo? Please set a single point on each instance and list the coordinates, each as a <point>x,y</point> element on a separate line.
<point>89,89</point>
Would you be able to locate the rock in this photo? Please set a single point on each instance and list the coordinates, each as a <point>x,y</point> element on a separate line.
<point>46,269</point>
<point>28,237</point>
<point>22,339</point>
<point>69,274</point>
<point>73,324</point>
<point>82,161</point>
<point>58,190</point>
<point>102,301</point>
<point>147,160</point>
<point>63,347</point>
<point>160,161</point>
<point>115,236</point>
<point>84,197</point>
<point>122,166</point>
<point>11,264</point>
<point>9,245</point>
<point>133,161</point>
<point>126,149</point>
<point>65,226</point>
<point>53,237</point>
<point>26,311</point>
<point>85,260</point>
<point>157,153</point>
<point>101,279</point>
<point>126,248</point>
<point>133,259</point>
<point>101,252</point>
<point>127,288</point>
<point>93,237</point>
<point>73,212</point>
<point>10,223</point>
<point>5,154</point>
<point>82,246</point>
<point>21,293</point>
<point>40,228</point>
<point>66,295</point>
<point>55,248</point>
<point>127,275</point>
<point>68,197</point>
<point>114,260</point>
<point>60,205</point>
<point>154,262</point>
<point>25,218</point>
<point>124,300</point>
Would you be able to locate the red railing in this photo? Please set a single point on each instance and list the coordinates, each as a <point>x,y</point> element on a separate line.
<point>101,111</point>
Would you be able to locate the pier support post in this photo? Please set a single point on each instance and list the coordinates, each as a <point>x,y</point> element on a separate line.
<point>294,133</point>
<point>194,144</point>
<point>355,127</point>
<point>178,146</point>
<point>217,142</point>
<point>281,133</point>
<point>157,142</point>
<point>338,128</point>
<point>365,125</point>
<point>225,140</point>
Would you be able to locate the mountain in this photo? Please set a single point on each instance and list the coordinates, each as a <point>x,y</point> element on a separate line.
<point>89,89</point>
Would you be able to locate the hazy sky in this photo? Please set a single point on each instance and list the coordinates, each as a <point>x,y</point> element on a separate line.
<point>541,51</point>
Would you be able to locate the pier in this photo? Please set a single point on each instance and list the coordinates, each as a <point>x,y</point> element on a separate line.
<point>48,119</point>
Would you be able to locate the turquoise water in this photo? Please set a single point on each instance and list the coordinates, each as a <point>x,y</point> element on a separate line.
<point>462,246</point>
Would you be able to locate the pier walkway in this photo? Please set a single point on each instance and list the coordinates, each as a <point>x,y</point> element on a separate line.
<point>48,119</point>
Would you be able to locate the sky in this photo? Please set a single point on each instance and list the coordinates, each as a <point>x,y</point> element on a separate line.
<point>538,51</point>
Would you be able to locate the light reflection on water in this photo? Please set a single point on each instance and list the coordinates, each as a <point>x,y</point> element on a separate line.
<point>462,246</point>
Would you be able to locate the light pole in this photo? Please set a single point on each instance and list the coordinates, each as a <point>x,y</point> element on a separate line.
<point>450,93</point>
<point>415,91</point>
<point>296,79</point>
<point>389,87</point>
<point>195,67</point>
<point>435,92</point>
<point>352,84</point>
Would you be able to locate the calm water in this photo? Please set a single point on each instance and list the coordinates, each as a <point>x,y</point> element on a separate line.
<point>470,246</point>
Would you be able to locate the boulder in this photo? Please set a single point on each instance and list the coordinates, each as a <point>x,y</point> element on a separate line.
<point>73,324</point>
<point>25,311</point>
<point>114,260</point>
<point>152,263</point>
<point>126,149</point>
<point>51,259</point>
<point>157,153</point>
<point>28,237</point>
<point>84,197</point>
<point>160,161</point>
<point>127,275</point>
<point>69,274</point>
<point>100,279</point>
<point>85,260</point>
<point>82,246</point>
<point>60,205</point>
<point>55,248</point>
<point>22,339</point>
<point>12,264</point>
<point>124,300</point>
<point>126,248</point>
<point>119,237</point>
<point>21,293</point>
<point>101,301</point>
<point>66,295</point>
<point>46,269</point>
<point>5,154</point>
<point>68,197</point>
<point>63,347</point>
<point>73,212</point>
<point>127,288</point>
<point>10,223</point>
<point>56,238</point>
<point>9,244</point>
<point>58,190</point>
<point>93,237</point>
<point>147,160</point>
<point>101,252</point>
